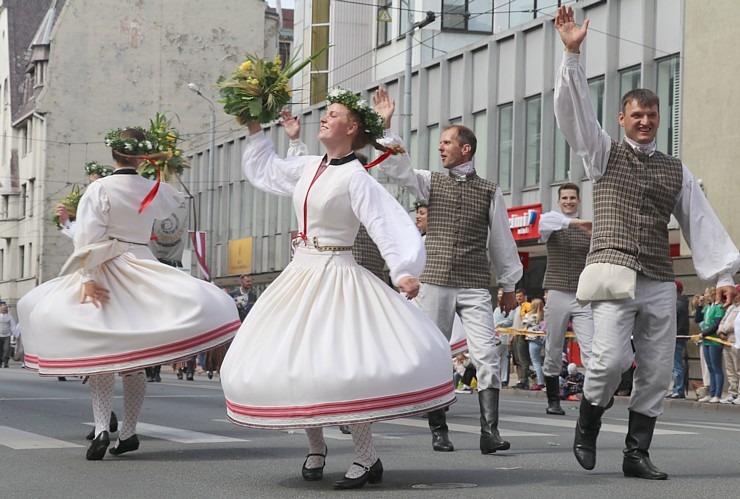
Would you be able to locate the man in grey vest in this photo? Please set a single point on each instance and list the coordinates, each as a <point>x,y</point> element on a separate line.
<point>466,222</point>
<point>628,276</point>
<point>568,240</point>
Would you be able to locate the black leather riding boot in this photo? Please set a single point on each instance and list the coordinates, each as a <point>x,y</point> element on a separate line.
<point>636,461</point>
<point>438,425</point>
<point>587,429</point>
<point>552,385</point>
<point>490,440</point>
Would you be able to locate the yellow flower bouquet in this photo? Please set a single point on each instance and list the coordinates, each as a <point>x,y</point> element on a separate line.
<point>70,201</point>
<point>259,89</point>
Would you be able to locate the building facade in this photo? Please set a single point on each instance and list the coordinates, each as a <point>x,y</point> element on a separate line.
<point>92,66</point>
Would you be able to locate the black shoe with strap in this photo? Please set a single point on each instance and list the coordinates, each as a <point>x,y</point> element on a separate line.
<point>98,446</point>
<point>552,385</point>
<point>637,461</point>
<point>123,446</point>
<point>314,474</point>
<point>373,475</point>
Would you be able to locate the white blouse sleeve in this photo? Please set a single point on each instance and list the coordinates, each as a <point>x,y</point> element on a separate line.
<point>169,200</point>
<point>550,222</point>
<point>92,220</point>
<point>716,258</point>
<point>389,226</point>
<point>269,172</point>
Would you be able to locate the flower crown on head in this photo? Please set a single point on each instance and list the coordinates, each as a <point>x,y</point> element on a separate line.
<point>95,168</point>
<point>129,146</point>
<point>372,122</point>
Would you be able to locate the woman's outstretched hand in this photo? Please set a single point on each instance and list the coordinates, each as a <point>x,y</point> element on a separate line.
<point>97,294</point>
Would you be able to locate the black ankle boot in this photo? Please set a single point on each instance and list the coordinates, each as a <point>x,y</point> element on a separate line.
<point>438,425</point>
<point>587,430</point>
<point>637,461</point>
<point>490,440</point>
<point>552,384</point>
<point>372,475</point>
<point>98,446</point>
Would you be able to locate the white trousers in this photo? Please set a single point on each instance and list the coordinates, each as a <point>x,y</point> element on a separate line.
<point>474,307</point>
<point>562,307</point>
<point>650,318</point>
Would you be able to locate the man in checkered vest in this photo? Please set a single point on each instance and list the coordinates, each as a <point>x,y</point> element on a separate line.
<point>568,240</point>
<point>628,276</point>
<point>467,222</point>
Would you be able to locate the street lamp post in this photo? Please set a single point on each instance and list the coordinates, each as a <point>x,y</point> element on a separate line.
<point>211,180</point>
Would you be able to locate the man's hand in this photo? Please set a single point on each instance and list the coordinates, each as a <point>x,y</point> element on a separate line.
<point>508,302</point>
<point>570,33</point>
<point>409,286</point>
<point>384,106</point>
<point>291,124</point>
<point>98,295</point>
<point>584,225</point>
<point>63,214</point>
<point>725,295</point>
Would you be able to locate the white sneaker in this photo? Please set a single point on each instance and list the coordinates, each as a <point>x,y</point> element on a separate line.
<point>714,400</point>
<point>705,398</point>
<point>728,400</point>
<point>464,389</point>
<point>737,401</point>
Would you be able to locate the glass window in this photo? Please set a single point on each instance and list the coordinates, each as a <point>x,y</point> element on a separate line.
<point>434,163</point>
<point>532,149</point>
<point>505,136</point>
<point>562,157</point>
<point>520,11</point>
<point>596,89</point>
<point>629,79</point>
<point>480,127</point>
<point>467,15</point>
<point>319,40</point>
<point>546,8</point>
<point>384,25</point>
<point>405,15</point>
<point>669,91</point>
<point>320,12</point>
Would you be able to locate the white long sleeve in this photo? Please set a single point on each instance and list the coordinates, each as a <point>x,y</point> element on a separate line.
<point>68,229</point>
<point>389,226</point>
<point>269,172</point>
<point>577,119</point>
<point>552,221</point>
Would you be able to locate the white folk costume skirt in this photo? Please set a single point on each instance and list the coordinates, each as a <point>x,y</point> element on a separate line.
<point>329,343</point>
<point>156,314</point>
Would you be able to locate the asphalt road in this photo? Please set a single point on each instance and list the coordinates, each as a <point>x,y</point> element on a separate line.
<point>188,449</point>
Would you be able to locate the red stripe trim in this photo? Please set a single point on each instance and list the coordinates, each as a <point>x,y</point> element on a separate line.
<point>142,354</point>
<point>459,344</point>
<point>379,160</point>
<point>375,404</point>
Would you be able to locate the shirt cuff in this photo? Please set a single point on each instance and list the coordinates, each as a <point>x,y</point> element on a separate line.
<point>725,279</point>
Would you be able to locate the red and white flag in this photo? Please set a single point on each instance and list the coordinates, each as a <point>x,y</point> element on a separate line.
<point>199,244</point>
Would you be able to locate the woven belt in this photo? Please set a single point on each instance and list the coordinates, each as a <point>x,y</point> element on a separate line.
<point>297,241</point>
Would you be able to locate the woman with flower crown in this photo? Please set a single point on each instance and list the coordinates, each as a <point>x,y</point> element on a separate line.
<point>345,349</point>
<point>124,310</point>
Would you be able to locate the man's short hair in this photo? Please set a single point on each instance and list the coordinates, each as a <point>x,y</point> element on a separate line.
<point>465,136</point>
<point>420,204</point>
<point>643,97</point>
<point>570,187</point>
<point>522,291</point>
<point>244,275</point>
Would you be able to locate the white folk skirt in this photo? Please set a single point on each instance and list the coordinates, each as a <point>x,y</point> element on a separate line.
<point>329,343</point>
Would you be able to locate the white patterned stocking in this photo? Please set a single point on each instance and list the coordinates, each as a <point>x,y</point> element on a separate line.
<point>316,445</point>
<point>134,389</point>
<point>362,436</point>
<point>101,393</point>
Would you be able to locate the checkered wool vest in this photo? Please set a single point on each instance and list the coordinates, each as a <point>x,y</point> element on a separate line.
<point>457,231</point>
<point>566,256</point>
<point>367,254</point>
<point>633,203</point>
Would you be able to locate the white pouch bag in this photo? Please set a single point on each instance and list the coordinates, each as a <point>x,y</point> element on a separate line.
<point>605,281</point>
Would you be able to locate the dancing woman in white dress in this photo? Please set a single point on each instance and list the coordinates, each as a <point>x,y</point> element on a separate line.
<point>124,310</point>
<point>344,348</point>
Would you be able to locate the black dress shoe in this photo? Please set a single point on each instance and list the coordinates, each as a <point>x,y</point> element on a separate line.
<point>372,475</point>
<point>345,429</point>
<point>98,446</point>
<point>314,474</point>
<point>112,426</point>
<point>123,446</point>
<point>210,374</point>
<point>150,379</point>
